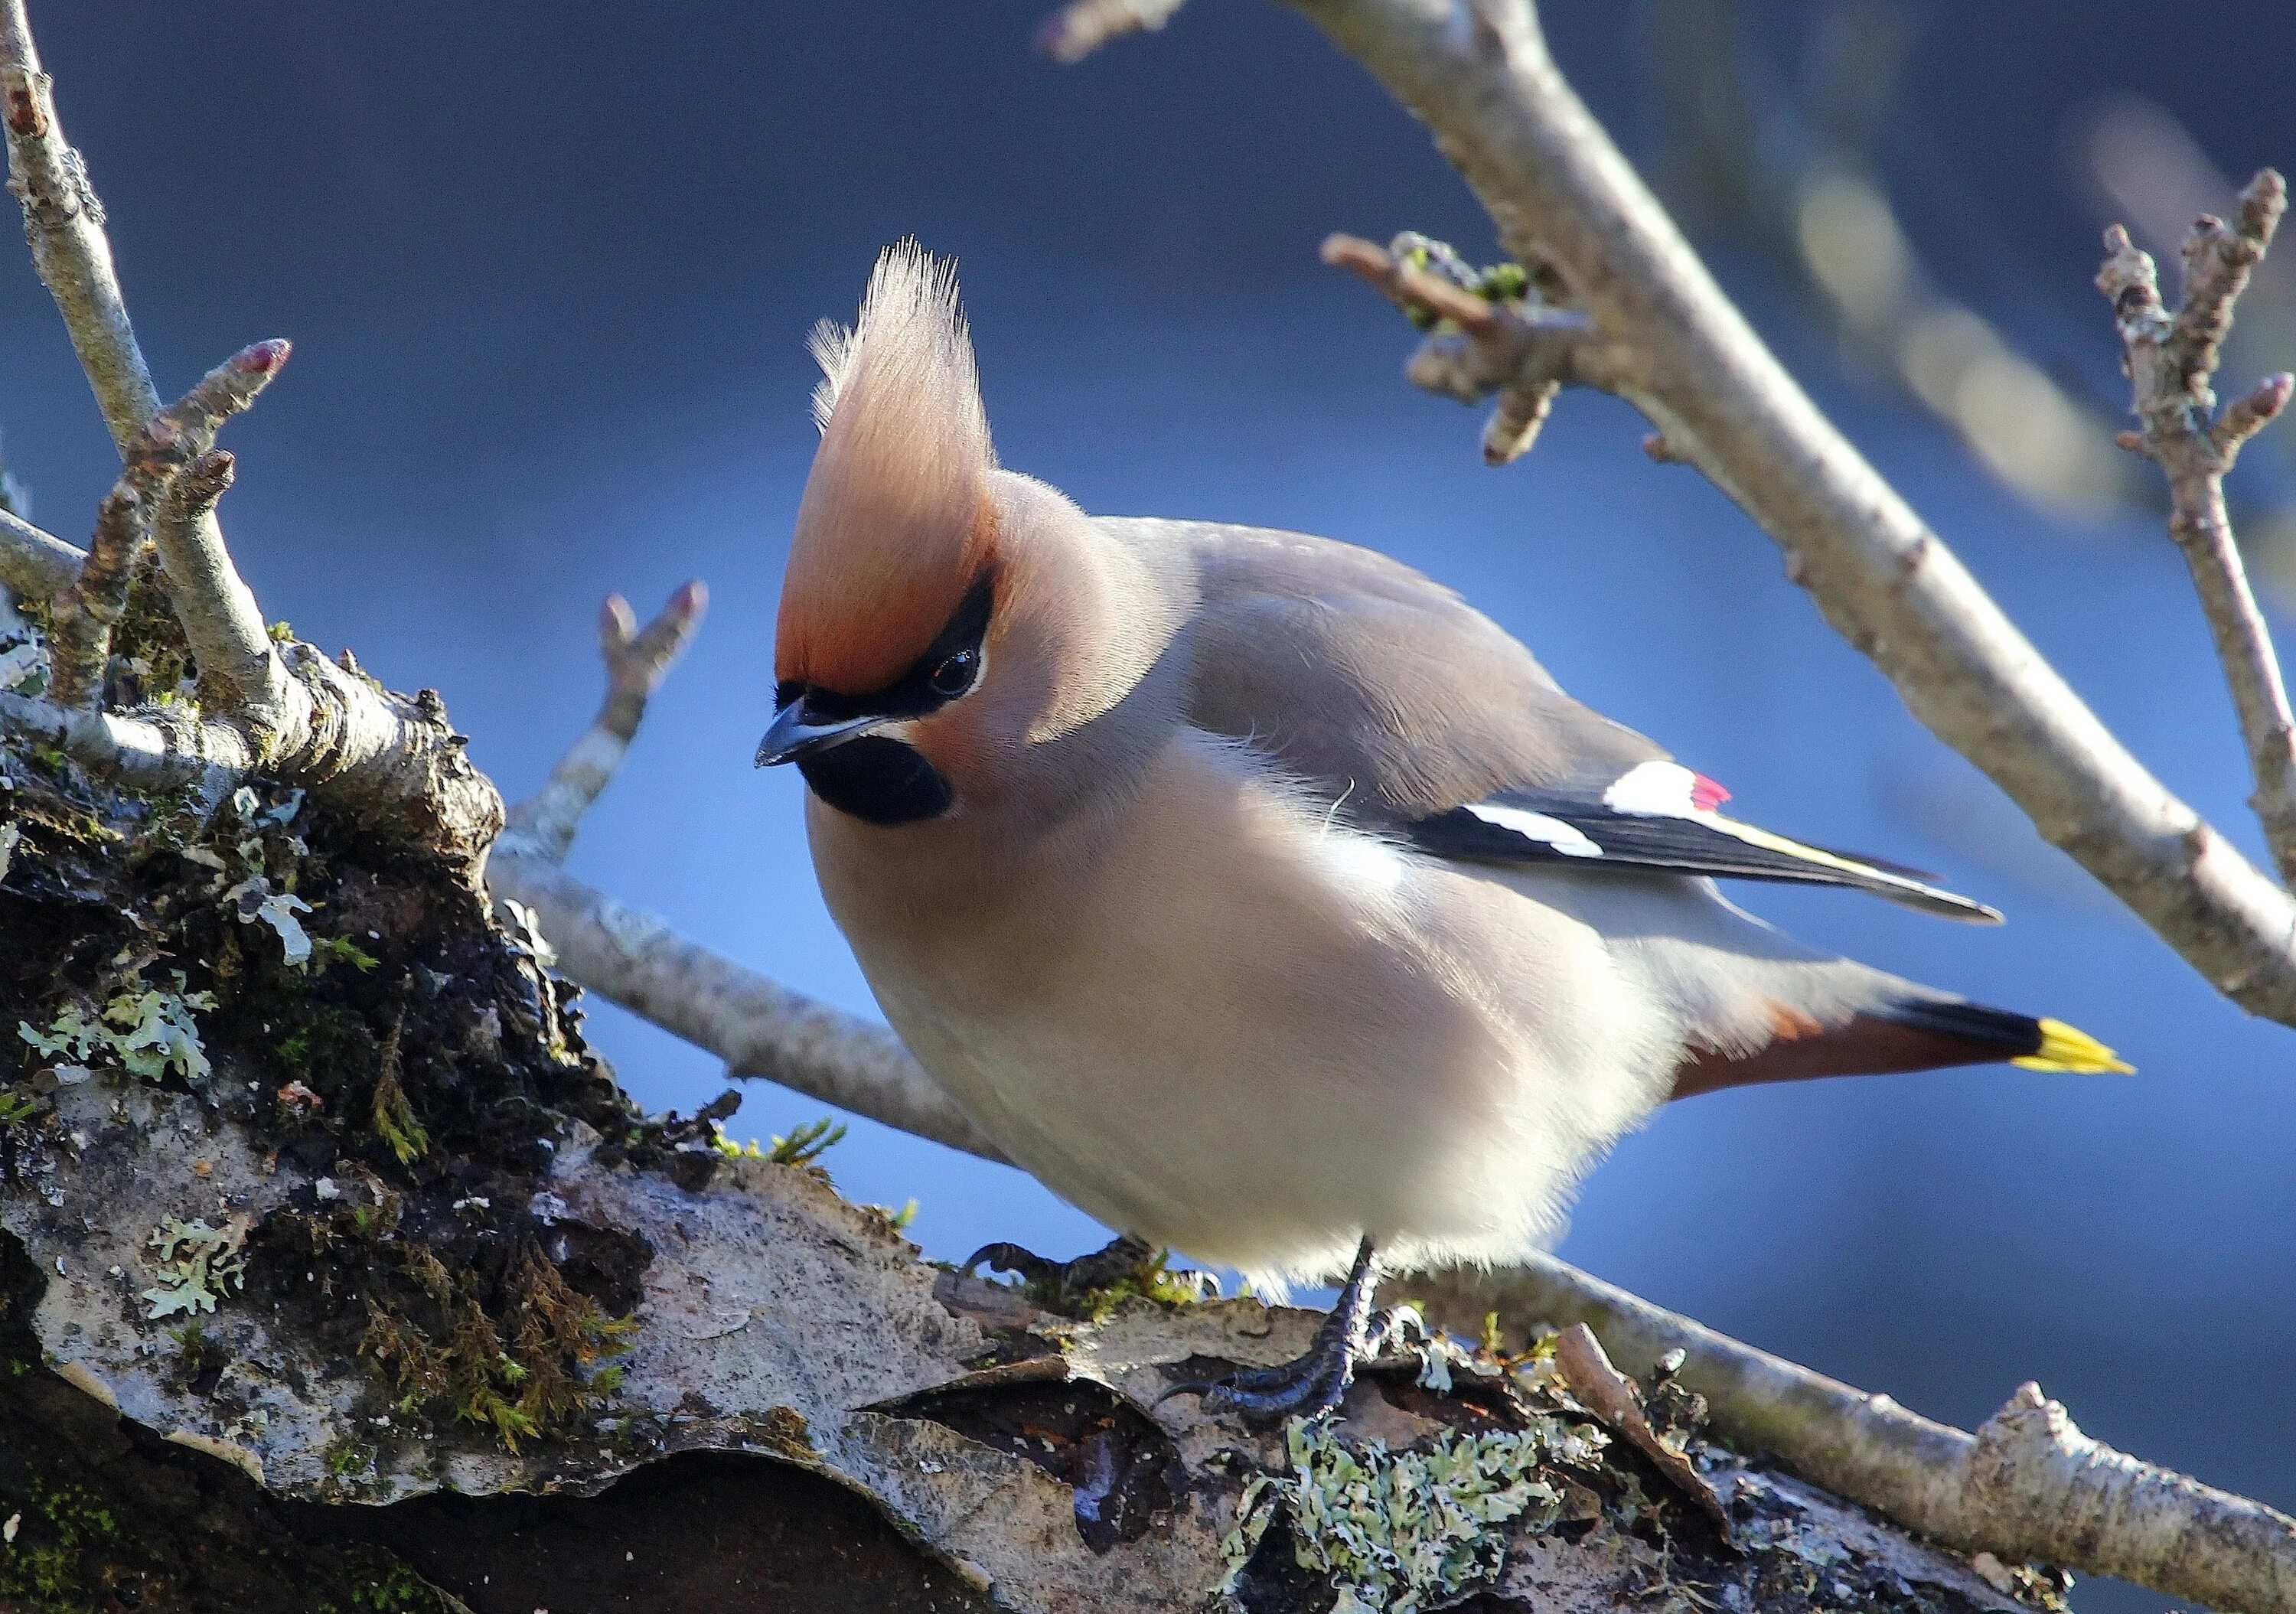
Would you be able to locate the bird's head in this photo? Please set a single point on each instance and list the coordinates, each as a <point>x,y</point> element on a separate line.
<point>892,581</point>
<point>947,628</point>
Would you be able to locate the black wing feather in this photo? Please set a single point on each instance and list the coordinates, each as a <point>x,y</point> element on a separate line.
<point>1507,829</point>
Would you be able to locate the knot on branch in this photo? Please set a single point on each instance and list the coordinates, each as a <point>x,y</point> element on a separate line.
<point>1489,332</point>
<point>387,760</point>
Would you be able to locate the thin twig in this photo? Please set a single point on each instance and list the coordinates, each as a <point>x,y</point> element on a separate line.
<point>1082,27</point>
<point>177,443</point>
<point>758,1028</point>
<point>2028,1486</point>
<point>545,823</point>
<point>2171,360</point>
<point>1481,78</point>
<point>381,758</point>
<point>240,668</point>
<point>80,617</point>
<point>64,222</point>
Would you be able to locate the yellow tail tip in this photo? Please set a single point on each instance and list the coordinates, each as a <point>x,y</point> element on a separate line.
<point>2069,1048</point>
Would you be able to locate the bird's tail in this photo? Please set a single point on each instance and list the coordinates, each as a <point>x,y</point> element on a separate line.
<point>2040,1043</point>
<point>1898,1034</point>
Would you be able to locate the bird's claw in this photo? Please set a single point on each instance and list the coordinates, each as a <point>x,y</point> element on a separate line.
<point>1312,1384</point>
<point>1066,1282</point>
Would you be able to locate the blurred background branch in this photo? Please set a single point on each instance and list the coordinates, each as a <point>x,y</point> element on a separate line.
<point>1792,161</point>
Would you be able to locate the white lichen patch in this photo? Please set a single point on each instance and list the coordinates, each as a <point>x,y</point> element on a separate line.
<point>1396,1533</point>
<point>257,902</point>
<point>197,1263</point>
<point>147,1032</point>
<point>23,666</point>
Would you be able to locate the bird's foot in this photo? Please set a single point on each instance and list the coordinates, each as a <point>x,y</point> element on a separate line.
<point>1313,1383</point>
<point>1069,1285</point>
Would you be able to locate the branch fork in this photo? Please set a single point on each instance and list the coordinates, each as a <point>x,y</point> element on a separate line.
<point>2171,358</point>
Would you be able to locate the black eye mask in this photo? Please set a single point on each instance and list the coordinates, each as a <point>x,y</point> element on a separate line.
<point>878,778</point>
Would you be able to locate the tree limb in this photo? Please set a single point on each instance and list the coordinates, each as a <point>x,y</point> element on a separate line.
<point>35,565</point>
<point>2028,1486</point>
<point>545,823</point>
<point>1478,74</point>
<point>2170,360</point>
<point>758,1028</point>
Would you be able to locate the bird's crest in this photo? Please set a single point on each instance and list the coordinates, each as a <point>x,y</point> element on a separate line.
<point>896,523</point>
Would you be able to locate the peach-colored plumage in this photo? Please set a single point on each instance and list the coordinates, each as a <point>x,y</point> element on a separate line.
<point>895,524</point>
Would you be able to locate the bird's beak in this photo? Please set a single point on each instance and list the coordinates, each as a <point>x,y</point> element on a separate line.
<point>795,735</point>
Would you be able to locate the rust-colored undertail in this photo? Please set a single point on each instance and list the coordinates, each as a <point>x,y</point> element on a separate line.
<point>1915,1035</point>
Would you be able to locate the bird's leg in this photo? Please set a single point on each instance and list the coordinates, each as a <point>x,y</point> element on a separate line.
<point>1312,1384</point>
<point>1066,1282</point>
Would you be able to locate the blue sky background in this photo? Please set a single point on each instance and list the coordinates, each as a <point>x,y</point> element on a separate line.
<point>548,268</point>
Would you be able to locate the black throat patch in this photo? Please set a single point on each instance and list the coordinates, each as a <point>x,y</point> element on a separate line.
<point>878,781</point>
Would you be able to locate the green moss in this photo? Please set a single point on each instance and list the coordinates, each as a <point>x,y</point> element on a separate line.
<point>532,1369</point>
<point>400,1592</point>
<point>147,643</point>
<point>61,1536</point>
<point>394,1117</point>
<point>337,949</point>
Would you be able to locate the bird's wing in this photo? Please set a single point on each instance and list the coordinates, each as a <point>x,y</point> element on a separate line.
<point>1662,815</point>
<point>1419,715</point>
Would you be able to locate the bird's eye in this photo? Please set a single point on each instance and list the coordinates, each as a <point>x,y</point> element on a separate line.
<point>955,675</point>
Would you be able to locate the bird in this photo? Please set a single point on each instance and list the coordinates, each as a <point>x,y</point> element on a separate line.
<point>1253,891</point>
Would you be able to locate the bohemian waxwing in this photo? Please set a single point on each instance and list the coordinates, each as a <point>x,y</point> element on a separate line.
<point>1256,894</point>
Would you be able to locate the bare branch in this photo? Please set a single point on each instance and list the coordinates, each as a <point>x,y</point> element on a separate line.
<point>1674,346</point>
<point>637,960</point>
<point>164,751</point>
<point>2250,414</point>
<point>2028,1486</point>
<point>2171,360</point>
<point>80,617</point>
<point>64,222</point>
<point>240,669</point>
<point>1082,27</point>
<point>545,823</point>
<point>2218,260</point>
<point>382,759</point>
<point>33,564</point>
